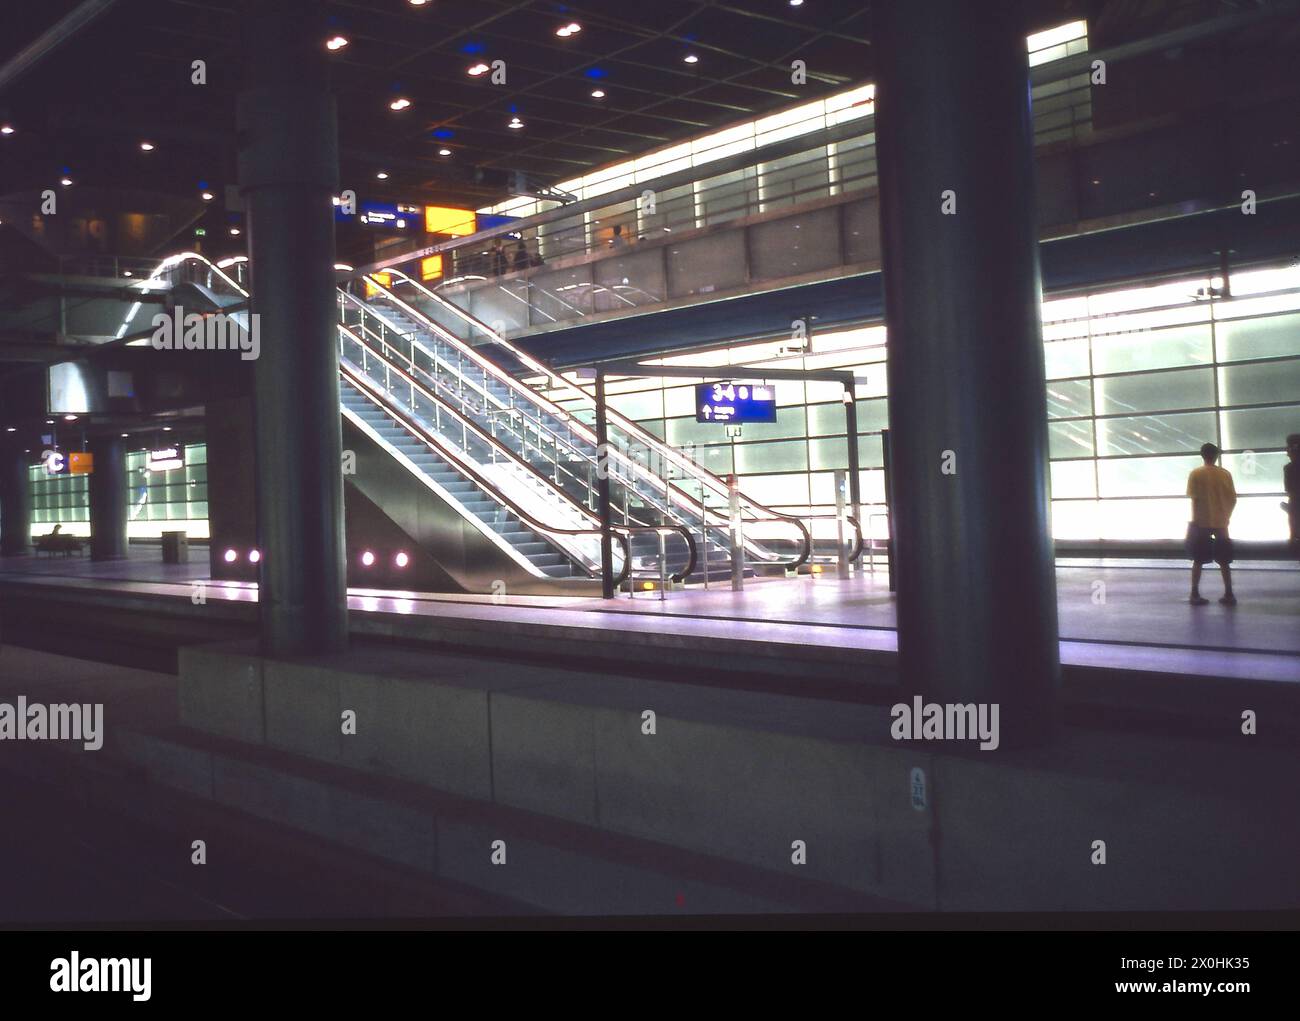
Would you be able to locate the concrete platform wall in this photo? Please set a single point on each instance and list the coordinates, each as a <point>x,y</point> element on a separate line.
<point>741,776</point>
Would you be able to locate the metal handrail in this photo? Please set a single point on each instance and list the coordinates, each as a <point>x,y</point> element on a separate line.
<point>688,467</point>
<point>466,467</point>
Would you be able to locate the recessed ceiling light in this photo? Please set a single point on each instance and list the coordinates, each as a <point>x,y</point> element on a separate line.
<point>336,43</point>
<point>127,273</point>
<point>477,69</point>
<point>343,266</point>
<point>597,93</point>
<point>382,175</point>
<point>444,152</point>
<point>234,232</point>
<point>11,429</point>
<point>147,146</point>
<point>125,435</point>
<point>6,129</point>
<point>796,3</point>
<point>572,28</point>
<point>691,58</point>
<point>69,418</point>
<point>206,196</point>
<point>66,182</point>
<point>399,104</point>
<point>515,123</point>
<point>417,3</point>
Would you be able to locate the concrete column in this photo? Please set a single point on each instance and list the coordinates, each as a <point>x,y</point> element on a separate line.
<point>967,406</point>
<point>15,502</point>
<point>288,171</point>
<point>108,498</point>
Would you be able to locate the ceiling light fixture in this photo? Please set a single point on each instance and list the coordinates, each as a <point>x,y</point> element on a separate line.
<point>336,43</point>
<point>572,28</point>
<point>234,232</point>
<point>66,182</point>
<point>417,3</point>
<point>691,58</point>
<point>597,93</point>
<point>206,196</point>
<point>147,146</point>
<point>477,69</point>
<point>382,175</point>
<point>444,152</point>
<point>399,104</point>
<point>515,124</point>
<point>6,129</point>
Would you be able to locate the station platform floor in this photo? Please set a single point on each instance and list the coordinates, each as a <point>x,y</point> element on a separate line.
<point>1114,613</point>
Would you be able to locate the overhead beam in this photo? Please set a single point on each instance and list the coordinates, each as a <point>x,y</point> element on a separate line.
<point>51,39</point>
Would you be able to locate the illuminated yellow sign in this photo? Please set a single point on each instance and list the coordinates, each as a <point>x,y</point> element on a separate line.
<point>431,268</point>
<point>384,278</point>
<point>456,223</point>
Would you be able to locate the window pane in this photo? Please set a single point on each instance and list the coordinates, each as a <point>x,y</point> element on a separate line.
<point>1145,476</point>
<point>1271,383</point>
<point>1066,358</point>
<point>1157,391</point>
<point>1069,439</point>
<point>1155,434</point>
<point>1073,479</point>
<point>1258,427</point>
<point>1069,398</point>
<point>1242,339</point>
<point>1155,349</point>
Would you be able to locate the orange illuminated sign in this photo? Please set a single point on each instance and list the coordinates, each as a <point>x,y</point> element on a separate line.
<point>384,278</point>
<point>431,268</point>
<point>81,462</point>
<point>456,223</point>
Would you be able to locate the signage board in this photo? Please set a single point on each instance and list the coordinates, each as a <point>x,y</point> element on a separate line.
<point>734,403</point>
<point>165,459</point>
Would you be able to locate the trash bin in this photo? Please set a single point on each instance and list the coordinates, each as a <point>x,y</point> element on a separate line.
<point>175,548</point>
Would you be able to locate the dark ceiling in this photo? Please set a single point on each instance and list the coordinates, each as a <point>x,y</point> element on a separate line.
<point>125,78</point>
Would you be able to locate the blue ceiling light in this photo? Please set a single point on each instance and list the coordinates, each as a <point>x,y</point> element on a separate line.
<point>596,72</point>
<point>443,133</point>
<point>473,48</point>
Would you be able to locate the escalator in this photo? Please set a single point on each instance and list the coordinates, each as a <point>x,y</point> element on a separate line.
<point>651,482</point>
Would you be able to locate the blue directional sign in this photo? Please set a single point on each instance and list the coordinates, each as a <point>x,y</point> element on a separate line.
<point>734,403</point>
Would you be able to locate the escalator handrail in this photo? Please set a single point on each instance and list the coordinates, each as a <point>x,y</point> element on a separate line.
<point>443,387</point>
<point>652,442</point>
<point>467,468</point>
<point>629,464</point>
<point>471,425</point>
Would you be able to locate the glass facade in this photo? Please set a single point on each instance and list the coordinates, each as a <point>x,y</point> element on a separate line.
<point>1065,104</point>
<point>1137,379</point>
<point>175,500</point>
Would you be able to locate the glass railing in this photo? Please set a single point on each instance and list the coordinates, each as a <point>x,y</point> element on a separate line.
<point>651,482</point>
<point>384,370</point>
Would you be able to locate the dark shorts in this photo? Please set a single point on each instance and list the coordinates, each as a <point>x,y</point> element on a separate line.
<point>1209,544</point>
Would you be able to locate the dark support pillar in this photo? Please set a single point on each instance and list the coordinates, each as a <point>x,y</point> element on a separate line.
<point>15,502</point>
<point>108,499</point>
<point>602,491</point>
<point>967,405</point>
<point>288,171</point>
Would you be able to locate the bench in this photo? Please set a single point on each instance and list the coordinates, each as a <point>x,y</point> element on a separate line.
<point>58,543</point>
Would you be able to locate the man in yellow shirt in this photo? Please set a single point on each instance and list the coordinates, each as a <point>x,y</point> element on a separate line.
<point>1213,497</point>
